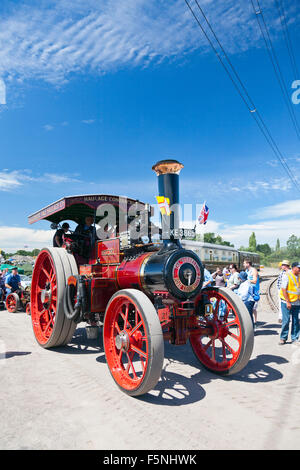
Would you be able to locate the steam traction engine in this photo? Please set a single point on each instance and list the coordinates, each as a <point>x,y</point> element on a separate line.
<point>142,292</point>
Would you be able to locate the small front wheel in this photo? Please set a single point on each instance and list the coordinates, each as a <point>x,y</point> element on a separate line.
<point>133,342</point>
<point>227,349</point>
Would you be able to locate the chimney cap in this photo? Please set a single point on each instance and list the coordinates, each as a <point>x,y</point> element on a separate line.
<point>167,166</point>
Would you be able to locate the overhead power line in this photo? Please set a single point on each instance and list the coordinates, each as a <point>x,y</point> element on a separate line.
<point>286,34</point>
<point>242,91</point>
<point>275,63</point>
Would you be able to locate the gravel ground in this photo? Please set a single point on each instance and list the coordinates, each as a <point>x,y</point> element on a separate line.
<point>66,399</point>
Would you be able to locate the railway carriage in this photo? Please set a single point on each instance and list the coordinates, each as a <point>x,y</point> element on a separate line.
<point>214,256</point>
<point>141,292</point>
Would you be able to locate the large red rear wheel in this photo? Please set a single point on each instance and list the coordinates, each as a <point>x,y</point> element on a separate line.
<point>12,302</point>
<point>133,342</point>
<point>51,271</point>
<point>227,349</point>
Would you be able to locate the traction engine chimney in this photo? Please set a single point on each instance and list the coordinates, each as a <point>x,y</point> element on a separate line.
<point>167,172</point>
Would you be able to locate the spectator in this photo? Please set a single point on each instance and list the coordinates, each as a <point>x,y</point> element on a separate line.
<point>252,274</point>
<point>254,279</point>
<point>226,272</point>
<point>245,292</point>
<point>234,280</point>
<point>13,282</point>
<point>290,303</point>
<point>219,278</point>
<point>58,236</point>
<point>2,286</point>
<point>5,273</point>
<point>284,267</point>
<point>207,278</point>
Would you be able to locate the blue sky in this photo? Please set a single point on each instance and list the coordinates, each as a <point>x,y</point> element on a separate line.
<point>97,92</point>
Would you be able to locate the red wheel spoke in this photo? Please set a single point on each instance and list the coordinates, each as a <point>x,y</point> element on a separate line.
<point>42,312</point>
<point>233,335</point>
<point>228,347</point>
<point>213,350</point>
<point>117,327</point>
<point>223,350</point>
<point>135,328</point>
<point>231,323</point>
<point>139,351</point>
<point>143,364</point>
<point>129,362</point>
<point>47,327</point>
<point>130,366</point>
<point>207,345</point>
<point>45,272</point>
<point>126,316</point>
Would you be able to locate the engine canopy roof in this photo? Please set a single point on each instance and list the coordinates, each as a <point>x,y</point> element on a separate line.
<point>76,208</point>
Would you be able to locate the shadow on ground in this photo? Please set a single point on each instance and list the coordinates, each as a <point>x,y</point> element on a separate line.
<point>175,389</point>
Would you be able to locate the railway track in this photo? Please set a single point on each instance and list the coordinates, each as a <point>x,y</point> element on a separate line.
<point>272,294</point>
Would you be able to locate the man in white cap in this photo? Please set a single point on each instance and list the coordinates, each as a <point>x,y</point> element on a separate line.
<point>284,267</point>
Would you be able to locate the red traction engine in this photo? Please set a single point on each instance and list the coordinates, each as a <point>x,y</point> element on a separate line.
<point>19,300</point>
<point>141,293</point>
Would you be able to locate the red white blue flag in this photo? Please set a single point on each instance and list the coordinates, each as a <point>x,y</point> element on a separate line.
<point>202,219</point>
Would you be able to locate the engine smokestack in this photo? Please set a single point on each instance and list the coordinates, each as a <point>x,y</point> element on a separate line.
<point>167,172</point>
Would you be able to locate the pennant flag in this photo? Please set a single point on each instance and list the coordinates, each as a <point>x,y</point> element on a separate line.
<point>164,205</point>
<point>202,219</point>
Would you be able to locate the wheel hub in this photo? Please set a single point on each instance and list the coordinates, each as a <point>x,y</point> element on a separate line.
<point>219,330</point>
<point>122,341</point>
<point>46,295</point>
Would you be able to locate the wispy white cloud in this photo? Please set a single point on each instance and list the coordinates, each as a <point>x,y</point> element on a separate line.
<point>48,127</point>
<point>246,186</point>
<point>9,180</point>
<point>88,121</point>
<point>265,232</point>
<point>50,40</point>
<point>287,208</point>
<point>14,238</point>
<point>57,178</point>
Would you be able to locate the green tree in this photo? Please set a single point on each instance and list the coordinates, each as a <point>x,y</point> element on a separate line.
<point>252,242</point>
<point>22,252</point>
<point>210,237</point>
<point>277,247</point>
<point>264,248</point>
<point>293,246</point>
